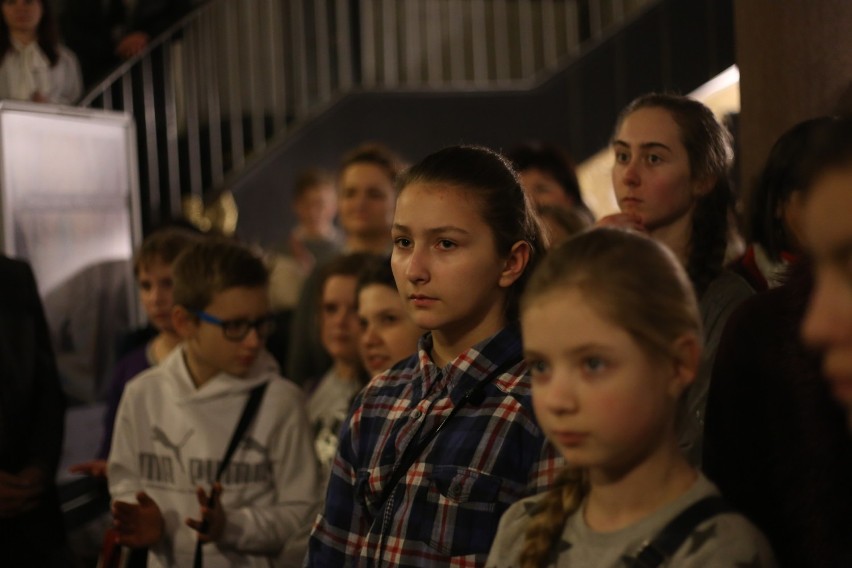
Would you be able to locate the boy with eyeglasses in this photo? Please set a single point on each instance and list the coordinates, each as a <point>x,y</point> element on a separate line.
<point>175,422</point>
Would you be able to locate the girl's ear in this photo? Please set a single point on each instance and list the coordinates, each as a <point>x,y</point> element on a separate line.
<point>515,263</point>
<point>687,349</point>
<point>185,323</point>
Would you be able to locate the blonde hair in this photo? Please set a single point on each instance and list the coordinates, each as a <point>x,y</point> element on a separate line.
<point>639,285</point>
<point>548,519</point>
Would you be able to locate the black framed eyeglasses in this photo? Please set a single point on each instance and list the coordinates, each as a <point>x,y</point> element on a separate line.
<point>238,329</point>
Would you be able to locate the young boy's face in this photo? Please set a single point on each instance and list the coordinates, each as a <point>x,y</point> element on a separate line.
<point>209,351</point>
<point>155,292</point>
<point>317,207</point>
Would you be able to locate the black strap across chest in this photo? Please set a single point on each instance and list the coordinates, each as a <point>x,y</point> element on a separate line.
<point>249,411</point>
<point>673,535</point>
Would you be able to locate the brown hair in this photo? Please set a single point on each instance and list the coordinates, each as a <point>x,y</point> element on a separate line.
<point>376,154</point>
<point>163,245</point>
<point>351,264</point>
<point>553,161</point>
<point>214,265</point>
<point>639,285</point>
<point>309,179</point>
<point>504,206</point>
<point>709,147</point>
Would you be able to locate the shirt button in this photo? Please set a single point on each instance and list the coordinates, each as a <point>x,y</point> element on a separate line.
<point>416,414</point>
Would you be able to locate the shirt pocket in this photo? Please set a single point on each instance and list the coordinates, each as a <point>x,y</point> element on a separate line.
<point>467,510</point>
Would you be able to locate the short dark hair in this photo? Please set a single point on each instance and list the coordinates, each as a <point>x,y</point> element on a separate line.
<point>309,179</point>
<point>376,271</point>
<point>350,264</point>
<point>552,160</point>
<point>376,154</point>
<point>211,266</point>
<point>163,245</point>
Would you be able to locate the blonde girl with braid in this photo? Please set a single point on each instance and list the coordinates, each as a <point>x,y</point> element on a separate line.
<point>612,335</point>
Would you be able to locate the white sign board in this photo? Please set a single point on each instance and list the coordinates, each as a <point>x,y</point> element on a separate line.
<point>68,198</point>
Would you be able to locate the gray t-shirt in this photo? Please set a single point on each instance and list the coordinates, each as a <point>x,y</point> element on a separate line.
<point>725,541</point>
<point>328,408</point>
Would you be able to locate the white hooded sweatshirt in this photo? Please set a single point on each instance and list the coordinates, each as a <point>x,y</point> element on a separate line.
<point>170,437</point>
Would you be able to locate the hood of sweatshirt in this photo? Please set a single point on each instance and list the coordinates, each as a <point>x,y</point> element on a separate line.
<point>183,390</point>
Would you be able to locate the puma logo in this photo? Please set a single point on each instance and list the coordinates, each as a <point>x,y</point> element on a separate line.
<point>160,436</point>
<point>250,443</point>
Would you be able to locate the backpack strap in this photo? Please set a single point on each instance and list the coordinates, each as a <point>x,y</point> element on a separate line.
<point>673,535</point>
<point>249,411</point>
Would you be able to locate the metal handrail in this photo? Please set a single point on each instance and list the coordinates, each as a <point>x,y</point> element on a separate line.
<point>213,91</point>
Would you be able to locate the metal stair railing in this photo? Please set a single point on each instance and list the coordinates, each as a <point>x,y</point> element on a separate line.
<point>215,90</point>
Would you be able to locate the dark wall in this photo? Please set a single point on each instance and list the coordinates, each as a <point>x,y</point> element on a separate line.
<point>676,45</point>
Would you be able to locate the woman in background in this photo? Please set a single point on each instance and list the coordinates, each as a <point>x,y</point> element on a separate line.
<point>671,181</point>
<point>34,66</point>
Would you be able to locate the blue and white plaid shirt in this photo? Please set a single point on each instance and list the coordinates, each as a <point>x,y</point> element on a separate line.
<point>446,508</point>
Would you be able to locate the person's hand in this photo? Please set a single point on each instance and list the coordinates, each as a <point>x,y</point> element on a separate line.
<point>138,524</point>
<point>132,44</point>
<point>95,468</point>
<point>623,221</point>
<point>20,492</point>
<point>212,521</point>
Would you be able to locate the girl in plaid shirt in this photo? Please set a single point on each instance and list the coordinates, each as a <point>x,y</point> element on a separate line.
<point>437,447</point>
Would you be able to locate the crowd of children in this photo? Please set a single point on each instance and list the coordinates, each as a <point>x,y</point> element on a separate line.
<point>498,394</point>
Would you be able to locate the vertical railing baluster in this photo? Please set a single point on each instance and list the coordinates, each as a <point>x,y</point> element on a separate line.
<point>171,122</point>
<point>127,93</point>
<point>413,44</point>
<point>149,113</point>
<point>457,42</point>
<point>300,58</point>
<point>618,11</point>
<point>572,27</point>
<point>368,44</point>
<point>323,50</point>
<point>277,87</point>
<point>503,71</point>
<point>390,43</point>
<point>344,46</point>
<point>548,33</point>
<point>479,39</point>
<point>106,102</point>
<point>256,71</point>
<point>526,38</point>
<point>595,18</point>
<point>212,41</point>
<point>434,63</point>
<point>191,66</point>
<point>235,93</point>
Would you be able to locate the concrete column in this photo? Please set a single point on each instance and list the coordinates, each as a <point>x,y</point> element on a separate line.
<point>795,60</point>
